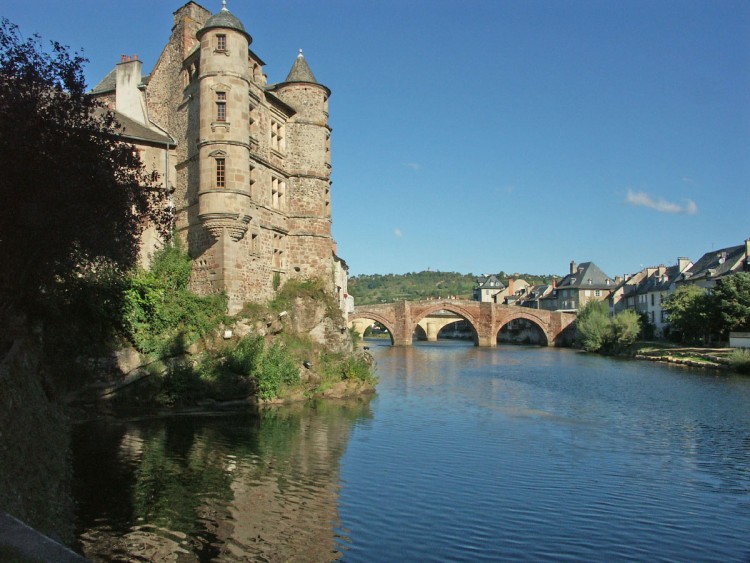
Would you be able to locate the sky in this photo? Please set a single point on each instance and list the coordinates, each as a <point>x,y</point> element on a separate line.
<point>475,136</point>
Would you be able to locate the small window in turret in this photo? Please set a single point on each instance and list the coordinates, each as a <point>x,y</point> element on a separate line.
<point>220,173</point>
<point>221,106</point>
<point>221,42</point>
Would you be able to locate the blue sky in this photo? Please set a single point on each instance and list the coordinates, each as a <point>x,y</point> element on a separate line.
<point>486,135</point>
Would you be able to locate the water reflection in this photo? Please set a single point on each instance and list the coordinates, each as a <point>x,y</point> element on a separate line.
<point>465,454</point>
<point>197,488</point>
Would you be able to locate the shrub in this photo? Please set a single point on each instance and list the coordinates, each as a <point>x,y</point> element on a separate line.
<point>244,357</point>
<point>739,359</point>
<point>598,332</point>
<point>625,328</point>
<point>337,367</point>
<point>593,326</point>
<point>181,385</point>
<point>162,316</point>
<point>275,370</point>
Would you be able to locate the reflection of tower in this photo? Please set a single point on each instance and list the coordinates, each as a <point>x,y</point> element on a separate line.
<point>224,198</point>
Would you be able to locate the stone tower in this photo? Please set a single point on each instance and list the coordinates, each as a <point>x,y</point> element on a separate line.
<point>225,206</point>
<point>249,161</point>
<point>309,243</point>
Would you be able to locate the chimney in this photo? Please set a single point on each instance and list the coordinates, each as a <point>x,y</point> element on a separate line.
<point>683,263</point>
<point>661,270</point>
<point>554,282</point>
<point>510,286</point>
<point>573,267</point>
<point>128,99</point>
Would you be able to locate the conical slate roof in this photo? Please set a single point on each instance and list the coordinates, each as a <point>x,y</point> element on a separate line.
<point>226,20</point>
<point>300,71</point>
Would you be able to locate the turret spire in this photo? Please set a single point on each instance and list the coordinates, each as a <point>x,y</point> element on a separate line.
<point>224,6</point>
<point>301,71</point>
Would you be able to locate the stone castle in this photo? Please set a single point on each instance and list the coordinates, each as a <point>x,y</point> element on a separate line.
<point>249,162</point>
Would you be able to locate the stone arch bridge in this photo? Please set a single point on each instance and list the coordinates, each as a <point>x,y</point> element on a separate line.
<point>486,320</point>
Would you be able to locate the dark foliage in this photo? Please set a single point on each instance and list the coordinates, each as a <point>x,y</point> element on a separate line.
<point>73,199</point>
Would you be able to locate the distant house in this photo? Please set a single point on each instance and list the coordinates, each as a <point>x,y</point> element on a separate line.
<point>534,295</point>
<point>717,264</point>
<point>646,291</point>
<point>515,292</point>
<point>585,282</point>
<point>486,287</point>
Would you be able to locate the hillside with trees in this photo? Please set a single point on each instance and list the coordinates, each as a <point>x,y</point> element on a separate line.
<point>368,289</point>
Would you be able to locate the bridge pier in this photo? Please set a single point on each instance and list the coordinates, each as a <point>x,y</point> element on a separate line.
<point>486,341</point>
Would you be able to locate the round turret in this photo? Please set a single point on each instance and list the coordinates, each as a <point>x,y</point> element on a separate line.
<point>224,19</point>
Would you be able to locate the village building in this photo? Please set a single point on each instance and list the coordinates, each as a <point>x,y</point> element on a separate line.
<point>718,263</point>
<point>249,161</point>
<point>585,282</point>
<point>646,291</point>
<point>486,287</point>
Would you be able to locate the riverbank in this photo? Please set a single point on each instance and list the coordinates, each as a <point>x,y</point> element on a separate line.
<point>698,357</point>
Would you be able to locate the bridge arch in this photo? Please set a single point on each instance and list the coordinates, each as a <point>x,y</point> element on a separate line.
<point>454,308</point>
<point>371,317</point>
<point>541,324</point>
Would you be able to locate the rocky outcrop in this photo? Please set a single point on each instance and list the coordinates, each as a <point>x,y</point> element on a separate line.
<point>314,318</point>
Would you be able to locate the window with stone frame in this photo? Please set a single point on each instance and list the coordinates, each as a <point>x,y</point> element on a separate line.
<point>221,106</point>
<point>221,172</point>
<point>253,121</point>
<point>255,242</point>
<point>278,193</point>
<point>278,251</point>
<point>251,181</point>
<point>277,136</point>
<point>221,42</point>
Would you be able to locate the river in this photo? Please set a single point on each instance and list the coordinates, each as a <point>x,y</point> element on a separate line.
<point>465,454</point>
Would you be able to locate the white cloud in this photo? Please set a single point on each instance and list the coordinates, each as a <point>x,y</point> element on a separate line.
<point>661,205</point>
<point>397,232</point>
<point>413,165</point>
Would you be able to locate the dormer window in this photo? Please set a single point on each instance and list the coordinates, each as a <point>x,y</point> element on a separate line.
<point>221,42</point>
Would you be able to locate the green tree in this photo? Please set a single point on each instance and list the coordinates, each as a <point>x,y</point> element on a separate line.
<point>732,299</point>
<point>598,332</point>
<point>73,198</point>
<point>625,329</point>
<point>692,313</point>
<point>593,326</point>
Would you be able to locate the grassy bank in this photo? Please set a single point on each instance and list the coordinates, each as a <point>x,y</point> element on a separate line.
<point>694,356</point>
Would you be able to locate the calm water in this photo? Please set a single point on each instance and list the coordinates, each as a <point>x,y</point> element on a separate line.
<point>465,454</point>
